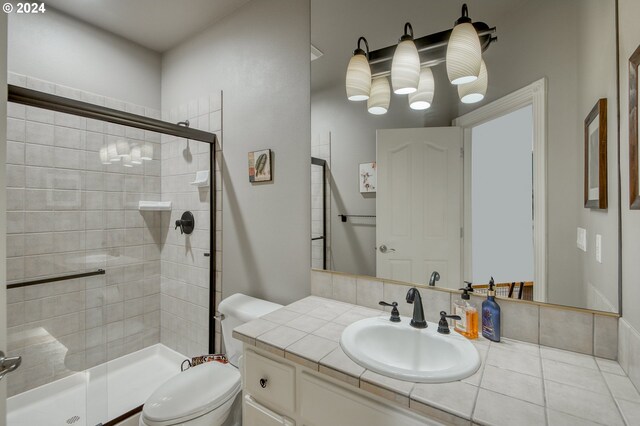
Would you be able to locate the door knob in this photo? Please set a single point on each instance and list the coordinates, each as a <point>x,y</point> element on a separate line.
<point>384,249</point>
<point>8,364</point>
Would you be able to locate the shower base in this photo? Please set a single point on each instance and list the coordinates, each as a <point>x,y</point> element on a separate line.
<point>97,395</point>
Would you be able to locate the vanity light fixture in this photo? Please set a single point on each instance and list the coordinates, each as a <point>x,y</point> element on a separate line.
<point>410,64</point>
<point>423,97</point>
<point>126,161</point>
<point>464,52</point>
<point>358,81</point>
<point>378,102</point>
<point>405,66</point>
<point>475,91</point>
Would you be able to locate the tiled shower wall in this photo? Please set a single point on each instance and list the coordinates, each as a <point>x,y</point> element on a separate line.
<point>320,148</point>
<point>69,213</point>
<point>185,268</point>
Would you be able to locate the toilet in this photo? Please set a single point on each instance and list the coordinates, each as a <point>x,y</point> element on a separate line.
<point>208,394</point>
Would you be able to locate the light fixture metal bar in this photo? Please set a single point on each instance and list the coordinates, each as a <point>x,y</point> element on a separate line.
<point>432,49</point>
<point>48,101</point>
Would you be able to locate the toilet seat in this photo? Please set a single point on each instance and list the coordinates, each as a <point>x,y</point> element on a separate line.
<point>191,394</point>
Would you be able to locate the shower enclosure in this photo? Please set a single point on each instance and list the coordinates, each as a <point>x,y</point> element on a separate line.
<point>106,296</point>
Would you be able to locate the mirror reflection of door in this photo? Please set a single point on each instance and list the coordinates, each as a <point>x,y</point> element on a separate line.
<point>502,200</point>
<point>419,205</point>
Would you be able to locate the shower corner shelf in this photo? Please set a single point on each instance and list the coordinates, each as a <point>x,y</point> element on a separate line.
<point>202,178</point>
<point>154,206</point>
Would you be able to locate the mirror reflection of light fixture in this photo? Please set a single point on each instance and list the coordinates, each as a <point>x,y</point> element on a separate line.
<point>380,98</point>
<point>464,52</point>
<point>423,97</point>
<point>358,81</point>
<point>104,155</point>
<point>475,91</point>
<point>405,66</point>
<point>122,148</point>
<point>112,151</point>
<point>136,154</point>
<point>126,161</point>
<point>146,151</point>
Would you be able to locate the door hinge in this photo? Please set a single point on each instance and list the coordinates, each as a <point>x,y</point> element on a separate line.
<point>461,232</point>
<point>461,152</point>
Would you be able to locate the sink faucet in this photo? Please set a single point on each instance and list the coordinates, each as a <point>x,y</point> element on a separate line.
<point>435,276</point>
<point>413,296</point>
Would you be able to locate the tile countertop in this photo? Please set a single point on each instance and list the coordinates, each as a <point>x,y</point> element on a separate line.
<point>517,383</point>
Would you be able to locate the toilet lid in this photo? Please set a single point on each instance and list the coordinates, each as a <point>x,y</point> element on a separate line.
<point>196,391</point>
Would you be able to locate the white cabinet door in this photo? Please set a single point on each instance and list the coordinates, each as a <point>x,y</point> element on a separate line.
<point>256,414</point>
<point>324,404</point>
<point>419,204</point>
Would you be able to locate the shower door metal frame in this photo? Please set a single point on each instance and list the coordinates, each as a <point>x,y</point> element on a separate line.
<point>322,163</point>
<point>48,101</point>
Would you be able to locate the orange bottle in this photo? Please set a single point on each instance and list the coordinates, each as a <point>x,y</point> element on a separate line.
<point>463,307</point>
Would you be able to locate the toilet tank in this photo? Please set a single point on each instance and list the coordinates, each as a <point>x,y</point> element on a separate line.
<point>237,310</point>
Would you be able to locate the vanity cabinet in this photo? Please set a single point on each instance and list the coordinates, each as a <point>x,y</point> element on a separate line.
<point>279,392</point>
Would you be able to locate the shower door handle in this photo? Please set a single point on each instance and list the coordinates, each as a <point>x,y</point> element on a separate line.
<point>8,364</point>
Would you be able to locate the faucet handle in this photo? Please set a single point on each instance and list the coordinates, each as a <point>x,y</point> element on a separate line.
<point>395,314</point>
<point>443,325</point>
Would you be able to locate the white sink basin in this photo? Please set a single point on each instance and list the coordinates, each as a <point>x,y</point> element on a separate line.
<point>417,355</point>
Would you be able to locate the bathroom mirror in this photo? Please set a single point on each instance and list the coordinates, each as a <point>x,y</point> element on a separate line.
<point>469,191</point>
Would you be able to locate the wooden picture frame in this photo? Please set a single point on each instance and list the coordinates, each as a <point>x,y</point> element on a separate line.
<point>634,170</point>
<point>595,157</point>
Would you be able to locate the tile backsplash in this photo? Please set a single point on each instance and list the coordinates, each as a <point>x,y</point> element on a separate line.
<point>577,330</point>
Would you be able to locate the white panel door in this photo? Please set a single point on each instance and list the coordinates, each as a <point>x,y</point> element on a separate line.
<point>419,204</point>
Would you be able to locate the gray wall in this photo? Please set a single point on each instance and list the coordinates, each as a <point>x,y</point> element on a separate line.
<point>54,47</point>
<point>629,41</point>
<point>259,57</point>
<point>596,78</point>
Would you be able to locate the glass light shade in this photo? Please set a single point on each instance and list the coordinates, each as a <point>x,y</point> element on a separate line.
<point>473,92</point>
<point>464,54</point>
<point>358,82</point>
<point>423,97</point>
<point>112,152</point>
<point>136,157</point>
<point>146,152</point>
<point>104,155</point>
<point>126,161</point>
<point>122,148</point>
<point>405,68</point>
<point>380,98</point>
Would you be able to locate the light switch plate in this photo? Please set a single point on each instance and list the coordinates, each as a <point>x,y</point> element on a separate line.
<point>582,239</point>
<point>599,248</point>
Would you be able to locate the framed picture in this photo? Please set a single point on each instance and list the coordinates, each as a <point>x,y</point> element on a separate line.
<point>634,170</point>
<point>368,177</point>
<point>595,157</point>
<point>260,166</point>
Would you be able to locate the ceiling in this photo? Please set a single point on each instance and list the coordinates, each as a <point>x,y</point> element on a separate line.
<point>337,24</point>
<point>155,24</point>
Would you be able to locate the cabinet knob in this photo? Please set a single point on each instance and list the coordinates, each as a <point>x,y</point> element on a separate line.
<point>263,383</point>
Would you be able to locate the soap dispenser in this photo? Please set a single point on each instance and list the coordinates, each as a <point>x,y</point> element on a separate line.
<point>491,315</point>
<point>465,309</point>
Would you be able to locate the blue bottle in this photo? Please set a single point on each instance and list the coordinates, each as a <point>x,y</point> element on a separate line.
<point>491,315</point>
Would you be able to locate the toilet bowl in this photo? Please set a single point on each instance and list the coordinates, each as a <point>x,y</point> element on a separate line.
<point>210,393</point>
